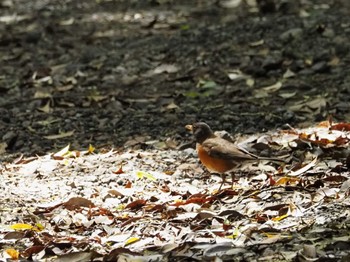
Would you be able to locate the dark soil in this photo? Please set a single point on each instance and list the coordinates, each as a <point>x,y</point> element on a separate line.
<point>113,70</point>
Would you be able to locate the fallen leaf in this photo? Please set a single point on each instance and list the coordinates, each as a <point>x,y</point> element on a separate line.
<point>60,154</point>
<point>273,88</point>
<point>131,240</point>
<point>33,250</point>
<point>46,108</point>
<point>341,127</point>
<point>288,74</point>
<point>60,135</point>
<point>207,84</point>
<point>119,171</point>
<point>287,180</point>
<point>279,218</point>
<point>91,149</point>
<point>256,43</point>
<point>137,204</point>
<point>142,174</point>
<point>165,68</point>
<point>77,202</point>
<point>13,253</point>
<point>304,169</point>
<point>21,226</point>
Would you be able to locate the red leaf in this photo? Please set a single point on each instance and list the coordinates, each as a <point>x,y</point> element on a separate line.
<point>128,184</point>
<point>194,200</point>
<point>341,141</point>
<point>226,227</point>
<point>261,218</point>
<point>119,171</point>
<point>271,180</point>
<point>136,204</point>
<point>341,127</point>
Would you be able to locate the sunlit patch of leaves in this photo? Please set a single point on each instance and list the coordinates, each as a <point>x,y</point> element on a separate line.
<point>158,203</point>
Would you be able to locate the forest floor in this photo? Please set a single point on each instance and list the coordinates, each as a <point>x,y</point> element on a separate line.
<point>125,77</point>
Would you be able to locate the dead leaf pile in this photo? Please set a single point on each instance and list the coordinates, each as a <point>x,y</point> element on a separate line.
<point>159,204</point>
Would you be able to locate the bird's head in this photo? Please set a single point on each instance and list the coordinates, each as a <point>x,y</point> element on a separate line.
<point>201,131</point>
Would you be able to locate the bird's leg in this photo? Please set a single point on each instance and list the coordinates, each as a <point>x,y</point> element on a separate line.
<point>223,177</point>
<point>232,179</point>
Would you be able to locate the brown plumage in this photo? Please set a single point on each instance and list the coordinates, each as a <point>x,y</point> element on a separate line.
<point>217,154</point>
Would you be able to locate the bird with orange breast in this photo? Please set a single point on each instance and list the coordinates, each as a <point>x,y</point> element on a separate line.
<point>217,154</point>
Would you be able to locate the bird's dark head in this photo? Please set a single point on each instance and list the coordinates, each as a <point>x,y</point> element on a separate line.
<point>201,131</point>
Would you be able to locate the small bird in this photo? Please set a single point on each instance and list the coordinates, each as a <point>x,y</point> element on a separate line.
<point>217,154</point>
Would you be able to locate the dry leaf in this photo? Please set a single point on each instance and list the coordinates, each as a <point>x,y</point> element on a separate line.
<point>60,135</point>
<point>78,202</point>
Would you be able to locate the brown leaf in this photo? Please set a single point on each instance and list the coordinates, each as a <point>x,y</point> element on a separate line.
<point>77,202</point>
<point>335,179</point>
<point>14,235</point>
<point>33,250</point>
<point>21,160</point>
<point>114,192</point>
<point>194,200</point>
<point>136,204</point>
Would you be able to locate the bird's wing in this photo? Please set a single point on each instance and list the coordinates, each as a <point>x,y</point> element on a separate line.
<point>221,148</point>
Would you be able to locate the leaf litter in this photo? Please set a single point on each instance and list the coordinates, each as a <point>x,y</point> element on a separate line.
<point>161,204</point>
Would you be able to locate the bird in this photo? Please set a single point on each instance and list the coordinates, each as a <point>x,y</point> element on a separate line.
<point>217,154</point>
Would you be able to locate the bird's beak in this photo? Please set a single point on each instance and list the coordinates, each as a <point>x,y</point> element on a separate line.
<point>189,128</point>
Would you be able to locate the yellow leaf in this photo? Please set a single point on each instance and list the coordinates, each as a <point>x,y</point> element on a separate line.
<point>141,174</point>
<point>74,154</point>
<point>287,180</point>
<point>13,253</point>
<point>235,234</point>
<point>91,149</point>
<point>39,227</point>
<point>21,226</point>
<point>270,235</point>
<point>66,162</point>
<point>131,240</point>
<point>280,217</point>
<point>120,207</point>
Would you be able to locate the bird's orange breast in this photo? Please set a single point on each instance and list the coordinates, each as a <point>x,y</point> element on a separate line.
<point>212,163</point>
